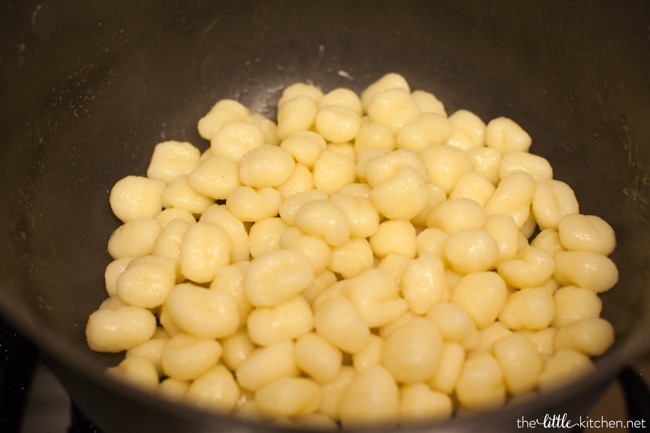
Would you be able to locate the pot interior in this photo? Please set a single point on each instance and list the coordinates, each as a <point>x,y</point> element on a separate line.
<point>84,104</point>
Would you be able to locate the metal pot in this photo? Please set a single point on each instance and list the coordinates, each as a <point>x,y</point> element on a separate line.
<point>88,88</point>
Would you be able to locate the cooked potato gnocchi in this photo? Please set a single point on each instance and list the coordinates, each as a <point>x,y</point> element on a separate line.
<point>365,258</point>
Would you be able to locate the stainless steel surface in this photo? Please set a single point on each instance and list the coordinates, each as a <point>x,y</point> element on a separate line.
<point>611,406</point>
<point>48,405</point>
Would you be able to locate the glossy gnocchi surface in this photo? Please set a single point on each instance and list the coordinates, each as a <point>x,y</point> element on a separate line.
<point>363,258</point>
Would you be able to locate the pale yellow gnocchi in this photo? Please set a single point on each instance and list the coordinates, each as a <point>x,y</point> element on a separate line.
<point>364,258</point>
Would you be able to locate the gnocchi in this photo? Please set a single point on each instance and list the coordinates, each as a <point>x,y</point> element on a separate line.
<point>364,258</point>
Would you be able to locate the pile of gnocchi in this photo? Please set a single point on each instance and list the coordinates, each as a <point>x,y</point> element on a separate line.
<point>365,258</point>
